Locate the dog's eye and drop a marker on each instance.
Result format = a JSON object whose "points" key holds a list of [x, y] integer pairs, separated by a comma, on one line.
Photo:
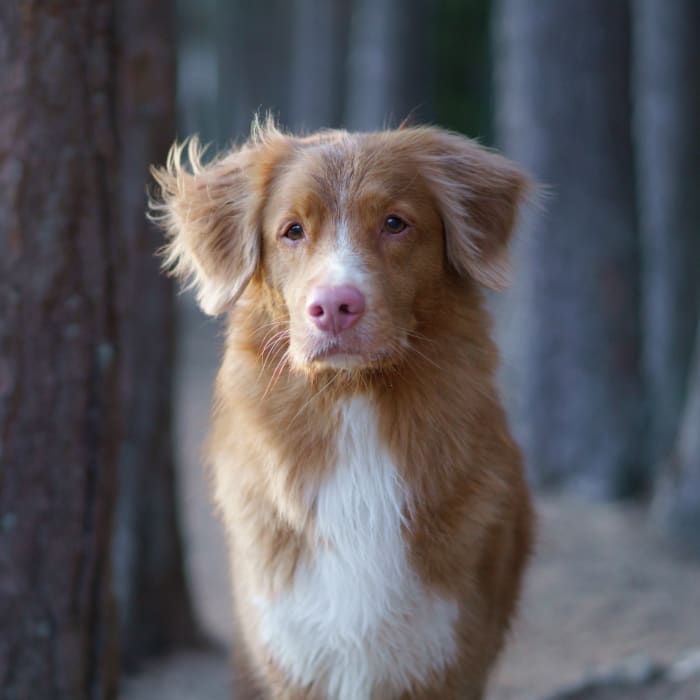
{"points": [[294, 232], [393, 224]]}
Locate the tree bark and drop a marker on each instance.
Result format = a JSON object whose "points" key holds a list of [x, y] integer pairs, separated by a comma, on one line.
{"points": [[59, 399], [390, 68], [149, 581], [667, 126], [563, 111]]}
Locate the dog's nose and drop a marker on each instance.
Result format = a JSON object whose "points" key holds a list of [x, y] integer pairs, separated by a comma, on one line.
{"points": [[334, 309]]}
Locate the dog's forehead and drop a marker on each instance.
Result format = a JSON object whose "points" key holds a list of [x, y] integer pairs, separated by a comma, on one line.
{"points": [[352, 170]]}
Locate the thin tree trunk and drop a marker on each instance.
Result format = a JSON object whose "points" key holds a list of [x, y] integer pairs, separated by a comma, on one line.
{"points": [[233, 108], [253, 58], [197, 70], [676, 506], [563, 111], [461, 55], [59, 400], [390, 69], [155, 610], [321, 32], [668, 140]]}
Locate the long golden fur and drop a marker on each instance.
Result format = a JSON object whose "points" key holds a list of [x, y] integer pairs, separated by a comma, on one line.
{"points": [[421, 359]]}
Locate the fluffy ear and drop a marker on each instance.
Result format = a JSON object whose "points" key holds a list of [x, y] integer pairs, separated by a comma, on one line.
{"points": [[478, 192], [211, 216]]}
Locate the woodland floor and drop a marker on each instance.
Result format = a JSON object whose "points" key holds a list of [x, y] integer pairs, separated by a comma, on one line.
{"points": [[602, 588]]}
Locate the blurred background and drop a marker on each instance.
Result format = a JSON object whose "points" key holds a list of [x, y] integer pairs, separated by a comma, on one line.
{"points": [[113, 571]]}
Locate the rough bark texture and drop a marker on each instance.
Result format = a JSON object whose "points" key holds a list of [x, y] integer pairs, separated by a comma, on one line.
{"points": [[667, 111], [155, 612], [58, 393], [563, 111], [390, 71], [320, 42], [676, 506]]}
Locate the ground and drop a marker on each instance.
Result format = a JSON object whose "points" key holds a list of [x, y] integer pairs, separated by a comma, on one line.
{"points": [[603, 591]]}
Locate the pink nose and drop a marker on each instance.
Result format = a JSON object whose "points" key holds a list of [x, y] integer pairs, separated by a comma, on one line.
{"points": [[334, 309]]}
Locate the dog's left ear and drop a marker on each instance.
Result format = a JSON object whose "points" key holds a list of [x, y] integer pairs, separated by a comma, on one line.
{"points": [[478, 193]]}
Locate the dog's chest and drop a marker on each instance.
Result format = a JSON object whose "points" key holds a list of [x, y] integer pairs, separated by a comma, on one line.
{"points": [[357, 621]]}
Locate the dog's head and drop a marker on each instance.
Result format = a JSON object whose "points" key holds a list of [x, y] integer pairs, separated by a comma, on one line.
{"points": [[351, 239]]}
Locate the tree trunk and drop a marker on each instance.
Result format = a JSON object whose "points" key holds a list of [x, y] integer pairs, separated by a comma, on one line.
{"points": [[563, 111], [461, 54], [668, 127], [320, 43], [390, 68], [197, 71], [253, 58], [155, 611], [59, 400], [676, 506]]}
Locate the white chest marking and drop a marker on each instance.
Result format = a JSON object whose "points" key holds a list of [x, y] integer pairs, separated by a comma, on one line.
{"points": [[358, 621]]}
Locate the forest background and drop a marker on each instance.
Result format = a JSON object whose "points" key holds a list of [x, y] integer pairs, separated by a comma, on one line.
{"points": [[600, 332]]}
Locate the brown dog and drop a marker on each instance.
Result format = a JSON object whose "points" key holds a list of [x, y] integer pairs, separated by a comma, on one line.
{"points": [[374, 501]]}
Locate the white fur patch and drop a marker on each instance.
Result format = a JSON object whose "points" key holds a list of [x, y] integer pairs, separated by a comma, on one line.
{"points": [[358, 619], [343, 265]]}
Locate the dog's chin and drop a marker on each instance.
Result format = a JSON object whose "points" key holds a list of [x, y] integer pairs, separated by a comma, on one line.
{"points": [[348, 362], [342, 357]]}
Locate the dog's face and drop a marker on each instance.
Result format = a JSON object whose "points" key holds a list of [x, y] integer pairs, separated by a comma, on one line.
{"points": [[353, 243], [352, 236]]}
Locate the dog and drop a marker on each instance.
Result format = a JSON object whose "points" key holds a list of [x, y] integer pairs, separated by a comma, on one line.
{"points": [[374, 502]]}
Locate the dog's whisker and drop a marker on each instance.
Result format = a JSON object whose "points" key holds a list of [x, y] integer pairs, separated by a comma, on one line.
{"points": [[264, 365], [415, 334], [414, 349], [275, 341], [271, 347], [271, 340], [313, 398], [419, 336], [276, 374], [270, 335], [272, 324]]}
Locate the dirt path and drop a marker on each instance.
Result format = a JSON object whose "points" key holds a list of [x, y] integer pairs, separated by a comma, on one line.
{"points": [[601, 589]]}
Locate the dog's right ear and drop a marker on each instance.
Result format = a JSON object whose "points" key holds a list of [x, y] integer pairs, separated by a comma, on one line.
{"points": [[211, 215]]}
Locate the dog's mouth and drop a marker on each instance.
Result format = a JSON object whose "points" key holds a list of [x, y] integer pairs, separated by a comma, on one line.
{"points": [[375, 343], [349, 354], [335, 352]]}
